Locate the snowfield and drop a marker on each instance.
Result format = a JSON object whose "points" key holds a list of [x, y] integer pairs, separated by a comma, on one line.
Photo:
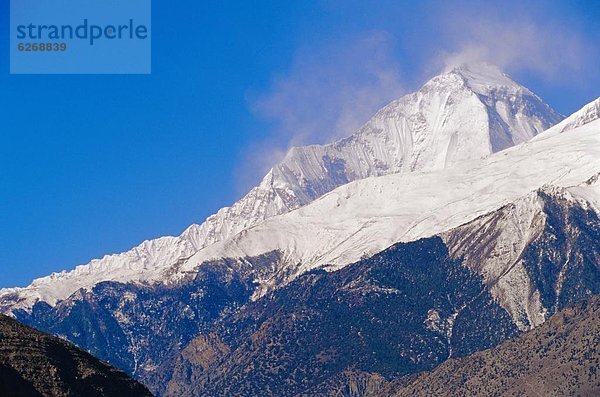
{"points": [[367, 216]]}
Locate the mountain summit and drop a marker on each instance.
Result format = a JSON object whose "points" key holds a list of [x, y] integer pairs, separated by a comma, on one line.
{"points": [[484, 78], [466, 113]]}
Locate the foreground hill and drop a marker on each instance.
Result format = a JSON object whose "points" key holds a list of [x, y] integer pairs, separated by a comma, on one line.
{"points": [[560, 358], [36, 364]]}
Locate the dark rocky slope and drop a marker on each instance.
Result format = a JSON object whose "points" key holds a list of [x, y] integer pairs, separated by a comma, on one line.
{"points": [[402, 311], [139, 329], [36, 364]]}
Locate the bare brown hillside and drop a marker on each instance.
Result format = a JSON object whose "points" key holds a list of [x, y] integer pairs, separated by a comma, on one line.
{"points": [[560, 358]]}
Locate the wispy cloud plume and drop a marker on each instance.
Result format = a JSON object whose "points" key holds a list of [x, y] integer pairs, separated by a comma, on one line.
{"points": [[327, 93], [330, 91], [516, 39]]}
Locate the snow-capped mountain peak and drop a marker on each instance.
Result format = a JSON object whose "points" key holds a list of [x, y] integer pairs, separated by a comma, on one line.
{"points": [[366, 216], [484, 78], [464, 114]]}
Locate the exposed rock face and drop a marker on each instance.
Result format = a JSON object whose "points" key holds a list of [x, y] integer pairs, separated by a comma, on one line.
{"points": [[559, 358], [350, 383], [536, 255], [36, 364]]}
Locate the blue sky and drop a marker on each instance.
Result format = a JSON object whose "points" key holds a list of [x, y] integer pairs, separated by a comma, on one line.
{"points": [[91, 165]]}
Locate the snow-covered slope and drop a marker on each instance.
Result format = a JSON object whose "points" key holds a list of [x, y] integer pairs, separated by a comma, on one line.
{"points": [[587, 114], [464, 114], [366, 216]]}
